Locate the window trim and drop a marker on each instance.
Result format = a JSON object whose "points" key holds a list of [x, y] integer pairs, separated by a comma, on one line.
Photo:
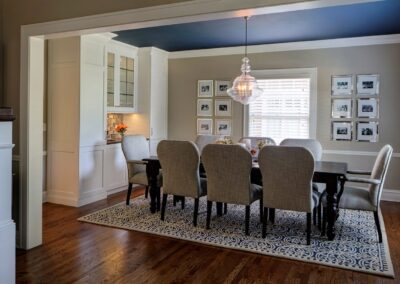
{"points": [[289, 73]]}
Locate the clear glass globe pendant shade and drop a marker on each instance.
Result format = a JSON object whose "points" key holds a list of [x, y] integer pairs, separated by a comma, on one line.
{"points": [[245, 88]]}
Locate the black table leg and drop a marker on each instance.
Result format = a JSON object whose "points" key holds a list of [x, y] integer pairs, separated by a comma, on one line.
{"points": [[152, 171], [219, 208], [332, 206]]}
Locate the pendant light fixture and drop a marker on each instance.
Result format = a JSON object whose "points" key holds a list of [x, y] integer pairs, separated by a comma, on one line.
{"points": [[245, 88]]}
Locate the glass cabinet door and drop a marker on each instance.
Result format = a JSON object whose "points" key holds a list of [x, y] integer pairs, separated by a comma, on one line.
{"points": [[126, 82], [110, 79]]}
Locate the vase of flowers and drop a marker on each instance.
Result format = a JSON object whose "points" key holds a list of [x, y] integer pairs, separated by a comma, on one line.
{"points": [[121, 129]]}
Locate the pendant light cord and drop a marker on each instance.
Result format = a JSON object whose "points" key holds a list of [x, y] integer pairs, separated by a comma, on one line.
{"points": [[245, 47]]}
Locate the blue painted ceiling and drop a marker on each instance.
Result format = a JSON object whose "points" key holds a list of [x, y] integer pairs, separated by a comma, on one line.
{"points": [[367, 19]]}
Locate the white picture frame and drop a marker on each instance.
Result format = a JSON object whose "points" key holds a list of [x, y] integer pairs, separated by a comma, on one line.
{"points": [[342, 85], [342, 108], [204, 107], [223, 127], [221, 88], [368, 85], [367, 108], [342, 130], [204, 126], [205, 88], [367, 131], [223, 107]]}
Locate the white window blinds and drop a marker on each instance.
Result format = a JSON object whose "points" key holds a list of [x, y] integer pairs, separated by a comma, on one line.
{"points": [[283, 110]]}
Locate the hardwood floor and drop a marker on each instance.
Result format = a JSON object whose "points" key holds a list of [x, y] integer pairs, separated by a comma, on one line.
{"points": [[75, 252]]}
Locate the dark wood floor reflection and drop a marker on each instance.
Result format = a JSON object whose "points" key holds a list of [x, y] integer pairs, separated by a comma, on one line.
{"points": [[75, 252]]}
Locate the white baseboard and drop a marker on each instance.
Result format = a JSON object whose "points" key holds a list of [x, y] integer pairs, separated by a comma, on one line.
{"points": [[391, 195], [44, 196], [117, 189]]}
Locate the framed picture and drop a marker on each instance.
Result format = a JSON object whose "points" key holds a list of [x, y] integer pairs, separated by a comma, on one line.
{"points": [[342, 130], [223, 127], [204, 107], [205, 88], [367, 108], [367, 131], [367, 84], [221, 87], [341, 108], [204, 126], [223, 107], [342, 85]]}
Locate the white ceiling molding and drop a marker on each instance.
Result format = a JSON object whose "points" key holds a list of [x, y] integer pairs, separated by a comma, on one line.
{"points": [[290, 46]]}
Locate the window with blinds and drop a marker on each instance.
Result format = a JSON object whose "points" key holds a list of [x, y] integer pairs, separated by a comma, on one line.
{"points": [[282, 111]]}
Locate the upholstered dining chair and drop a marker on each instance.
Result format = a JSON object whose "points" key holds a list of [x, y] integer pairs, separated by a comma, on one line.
{"points": [[315, 147], [136, 148], [180, 161], [287, 181], [228, 170], [255, 140], [364, 198], [203, 140]]}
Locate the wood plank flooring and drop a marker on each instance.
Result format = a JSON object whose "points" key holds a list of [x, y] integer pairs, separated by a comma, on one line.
{"points": [[75, 252]]}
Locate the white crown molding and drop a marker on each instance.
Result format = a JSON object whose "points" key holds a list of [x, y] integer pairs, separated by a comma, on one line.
{"points": [[356, 153], [290, 46]]}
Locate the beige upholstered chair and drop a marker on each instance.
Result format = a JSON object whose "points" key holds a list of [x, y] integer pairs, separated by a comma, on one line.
{"points": [[203, 140], [287, 181], [228, 169], [315, 147], [136, 148], [255, 140], [180, 162], [368, 198]]}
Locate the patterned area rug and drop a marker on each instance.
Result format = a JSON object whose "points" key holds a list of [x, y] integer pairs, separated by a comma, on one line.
{"points": [[356, 245]]}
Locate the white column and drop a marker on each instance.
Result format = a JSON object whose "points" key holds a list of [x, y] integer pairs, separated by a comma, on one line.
{"points": [[7, 226]]}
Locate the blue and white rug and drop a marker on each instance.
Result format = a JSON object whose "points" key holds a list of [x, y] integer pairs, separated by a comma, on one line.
{"points": [[355, 247]]}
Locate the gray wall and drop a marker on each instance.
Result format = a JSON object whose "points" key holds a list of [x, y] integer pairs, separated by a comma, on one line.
{"points": [[379, 59]]}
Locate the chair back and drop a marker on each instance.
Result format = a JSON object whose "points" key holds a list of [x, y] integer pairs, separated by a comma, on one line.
{"points": [[180, 162], [203, 140], [228, 169], [312, 145], [379, 172], [135, 147], [255, 140], [287, 174]]}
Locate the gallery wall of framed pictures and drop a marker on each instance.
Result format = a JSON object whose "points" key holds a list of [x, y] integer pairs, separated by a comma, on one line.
{"points": [[355, 110], [214, 108]]}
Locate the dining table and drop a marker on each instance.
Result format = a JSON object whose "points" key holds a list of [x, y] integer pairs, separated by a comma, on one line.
{"points": [[326, 172]]}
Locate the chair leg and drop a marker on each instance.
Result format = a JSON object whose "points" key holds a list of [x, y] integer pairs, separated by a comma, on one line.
{"points": [[183, 202], [378, 225], [225, 208], [261, 210], [308, 228], [272, 215], [146, 193], [319, 208], [128, 195], [175, 200], [247, 220], [209, 208], [314, 216], [264, 223], [196, 211], [164, 204], [324, 214]]}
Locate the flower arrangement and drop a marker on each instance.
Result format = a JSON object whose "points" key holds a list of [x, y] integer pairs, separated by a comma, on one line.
{"points": [[121, 128], [261, 143], [225, 141]]}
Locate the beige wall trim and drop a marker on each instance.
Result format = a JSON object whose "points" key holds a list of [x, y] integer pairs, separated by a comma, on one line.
{"points": [[356, 153], [391, 195], [290, 46]]}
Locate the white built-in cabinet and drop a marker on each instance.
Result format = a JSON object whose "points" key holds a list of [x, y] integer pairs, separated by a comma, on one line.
{"points": [[121, 77], [153, 94], [78, 155]]}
